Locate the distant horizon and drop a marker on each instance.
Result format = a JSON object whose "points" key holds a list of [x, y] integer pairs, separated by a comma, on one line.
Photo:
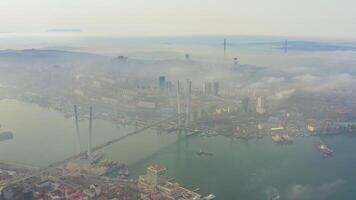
{"points": [[303, 18], [76, 32]]}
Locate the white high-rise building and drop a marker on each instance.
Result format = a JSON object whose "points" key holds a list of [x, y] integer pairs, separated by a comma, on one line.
{"points": [[261, 105], [154, 177]]}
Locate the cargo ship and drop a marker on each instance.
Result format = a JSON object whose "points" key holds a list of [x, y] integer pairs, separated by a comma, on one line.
{"points": [[7, 135], [170, 129], [325, 150], [195, 132], [282, 139], [203, 153]]}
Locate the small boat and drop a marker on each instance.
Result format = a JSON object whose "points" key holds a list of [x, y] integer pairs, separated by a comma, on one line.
{"points": [[203, 153], [210, 197], [325, 150]]}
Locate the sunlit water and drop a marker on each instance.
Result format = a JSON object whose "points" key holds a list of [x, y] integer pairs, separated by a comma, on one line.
{"points": [[238, 169]]}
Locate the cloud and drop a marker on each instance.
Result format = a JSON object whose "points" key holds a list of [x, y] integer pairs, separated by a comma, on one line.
{"points": [[268, 82], [63, 30], [331, 186], [279, 88], [271, 192], [298, 191], [306, 78], [322, 84], [303, 192], [283, 94]]}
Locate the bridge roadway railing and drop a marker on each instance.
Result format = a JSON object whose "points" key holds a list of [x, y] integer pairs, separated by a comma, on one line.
{"points": [[83, 153]]}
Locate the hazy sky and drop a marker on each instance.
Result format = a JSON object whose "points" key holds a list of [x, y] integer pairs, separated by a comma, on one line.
{"points": [[326, 18]]}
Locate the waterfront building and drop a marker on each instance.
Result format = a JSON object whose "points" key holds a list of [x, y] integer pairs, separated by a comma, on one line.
{"points": [[155, 176], [155, 184]]}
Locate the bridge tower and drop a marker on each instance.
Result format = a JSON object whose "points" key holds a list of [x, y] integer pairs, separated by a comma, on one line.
{"points": [[188, 106], [78, 135], [77, 127], [90, 134]]}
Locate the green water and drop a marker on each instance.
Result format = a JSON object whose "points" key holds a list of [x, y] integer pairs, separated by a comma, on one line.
{"points": [[237, 170]]}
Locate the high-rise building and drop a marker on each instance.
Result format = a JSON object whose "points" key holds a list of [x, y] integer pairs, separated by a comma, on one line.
{"points": [[211, 88], [155, 176], [245, 104], [216, 88], [208, 88], [187, 56], [169, 85], [162, 81], [261, 105], [154, 185]]}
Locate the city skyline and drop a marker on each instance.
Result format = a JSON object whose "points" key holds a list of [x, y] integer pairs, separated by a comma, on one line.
{"points": [[177, 99]]}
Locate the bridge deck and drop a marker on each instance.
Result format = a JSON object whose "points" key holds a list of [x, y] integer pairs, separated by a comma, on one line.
{"points": [[79, 155]]}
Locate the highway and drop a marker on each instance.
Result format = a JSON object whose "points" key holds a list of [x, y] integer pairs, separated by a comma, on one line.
{"points": [[77, 156]]}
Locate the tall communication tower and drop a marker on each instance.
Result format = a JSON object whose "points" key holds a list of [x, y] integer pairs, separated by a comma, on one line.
{"points": [[236, 61], [224, 45]]}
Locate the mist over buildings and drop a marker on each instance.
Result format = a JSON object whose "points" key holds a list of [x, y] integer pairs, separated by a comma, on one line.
{"points": [[278, 77]]}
